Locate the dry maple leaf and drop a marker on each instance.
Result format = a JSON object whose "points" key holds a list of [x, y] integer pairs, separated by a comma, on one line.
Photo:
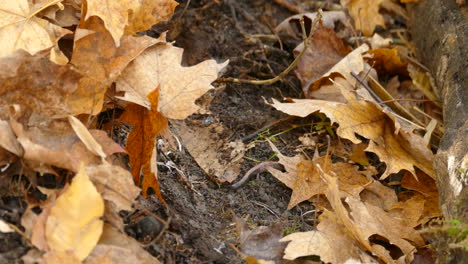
{"points": [[353, 62], [398, 146], [130, 15], [20, 28], [364, 221], [160, 66], [74, 223], [329, 241], [303, 177], [115, 185], [325, 50], [147, 124], [38, 85], [57, 145], [365, 14], [96, 56]]}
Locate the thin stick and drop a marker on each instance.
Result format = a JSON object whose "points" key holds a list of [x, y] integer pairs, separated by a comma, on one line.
{"points": [[291, 66], [290, 6], [409, 100]]}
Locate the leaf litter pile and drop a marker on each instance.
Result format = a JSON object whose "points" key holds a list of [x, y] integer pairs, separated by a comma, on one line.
{"points": [[91, 108]]}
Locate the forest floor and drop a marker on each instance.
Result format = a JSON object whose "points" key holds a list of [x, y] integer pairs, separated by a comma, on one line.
{"points": [[200, 211]]}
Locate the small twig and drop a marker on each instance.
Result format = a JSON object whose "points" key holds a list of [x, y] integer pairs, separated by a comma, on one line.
{"points": [[255, 170], [290, 6], [291, 66], [267, 208], [408, 100]]}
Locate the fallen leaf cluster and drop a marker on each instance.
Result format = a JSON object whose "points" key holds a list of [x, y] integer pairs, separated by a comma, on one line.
{"points": [[362, 219], [63, 63]]}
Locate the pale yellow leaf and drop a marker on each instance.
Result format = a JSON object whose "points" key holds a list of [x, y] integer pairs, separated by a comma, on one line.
{"points": [[21, 29], [83, 133], [143, 14], [74, 223], [160, 66], [5, 227], [8, 139]]}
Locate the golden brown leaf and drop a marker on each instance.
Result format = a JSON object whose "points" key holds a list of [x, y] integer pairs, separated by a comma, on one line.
{"points": [[133, 16], [388, 60], [74, 222], [101, 62], [147, 124], [329, 241], [388, 138], [83, 133], [426, 187], [324, 51], [365, 14], [57, 145], [353, 62], [37, 85], [149, 13]]}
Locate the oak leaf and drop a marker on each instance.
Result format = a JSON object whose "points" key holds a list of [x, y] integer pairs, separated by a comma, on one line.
{"points": [[147, 124], [74, 222]]}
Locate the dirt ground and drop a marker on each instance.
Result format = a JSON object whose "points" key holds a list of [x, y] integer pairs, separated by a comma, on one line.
{"points": [[199, 210]]}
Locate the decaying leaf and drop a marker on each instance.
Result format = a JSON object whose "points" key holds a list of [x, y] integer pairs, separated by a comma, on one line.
{"points": [[120, 248], [74, 223], [329, 241], [86, 137], [115, 184], [225, 168], [324, 51], [329, 18], [261, 244], [353, 62], [147, 124], [37, 85]]}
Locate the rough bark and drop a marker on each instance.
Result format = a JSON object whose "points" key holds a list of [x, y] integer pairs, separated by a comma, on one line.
{"points": [[440, 30]]}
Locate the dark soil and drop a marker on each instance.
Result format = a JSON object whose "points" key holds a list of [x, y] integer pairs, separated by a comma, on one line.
{"points": [[202, 223], [200, 211]]}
